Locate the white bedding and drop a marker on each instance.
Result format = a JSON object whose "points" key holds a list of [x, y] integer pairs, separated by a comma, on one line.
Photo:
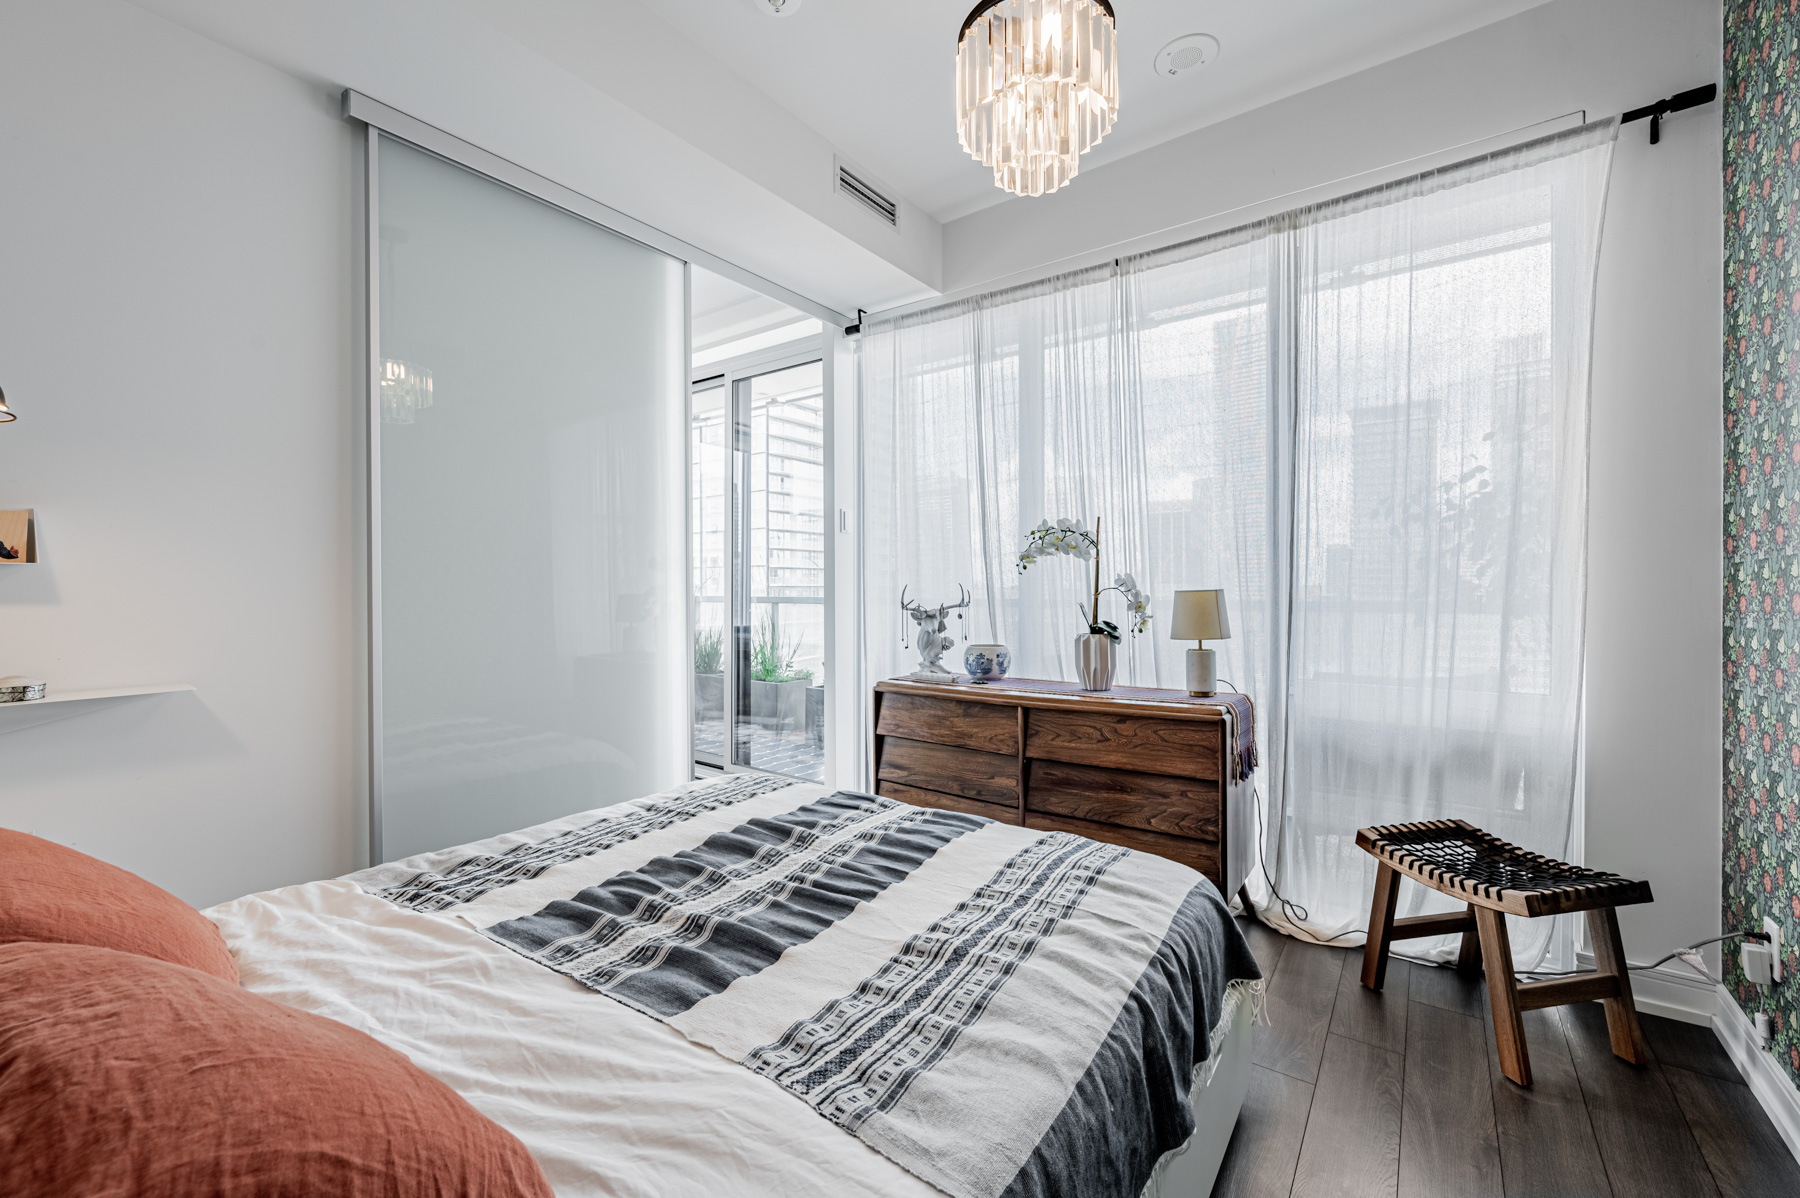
{"points": [[610, 1102]]}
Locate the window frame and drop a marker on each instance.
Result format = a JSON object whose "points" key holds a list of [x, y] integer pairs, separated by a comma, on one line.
{"points": [[728, 373]]}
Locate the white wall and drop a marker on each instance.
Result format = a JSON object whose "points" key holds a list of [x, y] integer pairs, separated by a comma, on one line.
{"points": [[176, 299], [1656, 564], [540, 83], [1654, 659]]}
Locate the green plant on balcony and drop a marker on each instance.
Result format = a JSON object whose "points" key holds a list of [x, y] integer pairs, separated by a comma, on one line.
{"points": [[709, 651], [772, 657]]}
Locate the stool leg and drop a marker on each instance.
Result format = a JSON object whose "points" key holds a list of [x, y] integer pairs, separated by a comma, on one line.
{"points": [[1503, 996], [1469, 959], [1621, 1012], [1381, 926]]}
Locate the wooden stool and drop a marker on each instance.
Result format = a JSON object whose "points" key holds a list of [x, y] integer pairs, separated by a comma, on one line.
{"points": [[1498, 879]]}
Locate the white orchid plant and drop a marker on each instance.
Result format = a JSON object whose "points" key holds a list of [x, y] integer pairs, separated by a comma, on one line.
{"points": [[1072, 539]]}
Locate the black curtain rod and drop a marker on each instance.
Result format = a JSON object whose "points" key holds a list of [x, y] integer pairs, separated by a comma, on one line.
{"points": [[1679, 102], [1692, 98]]}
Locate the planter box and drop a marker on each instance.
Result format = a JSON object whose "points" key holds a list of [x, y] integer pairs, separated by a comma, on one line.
{"points": [[779, 706], [709, 697], [815, 716]]}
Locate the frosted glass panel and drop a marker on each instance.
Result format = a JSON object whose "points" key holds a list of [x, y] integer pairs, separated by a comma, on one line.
{"points": [[533, 654]]}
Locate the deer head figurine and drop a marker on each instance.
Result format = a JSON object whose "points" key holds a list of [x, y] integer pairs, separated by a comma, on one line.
{"points": [[933, 623]]}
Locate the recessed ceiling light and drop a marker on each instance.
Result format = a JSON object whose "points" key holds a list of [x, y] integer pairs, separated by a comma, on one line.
{"points": [[1186, 52]]}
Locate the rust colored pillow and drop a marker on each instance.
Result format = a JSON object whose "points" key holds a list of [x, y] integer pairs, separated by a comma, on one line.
{"points": [[55, 895], [125, 1076]]}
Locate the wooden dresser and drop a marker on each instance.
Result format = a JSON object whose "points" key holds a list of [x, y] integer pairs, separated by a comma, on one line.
{"points": [[1148, 769]]}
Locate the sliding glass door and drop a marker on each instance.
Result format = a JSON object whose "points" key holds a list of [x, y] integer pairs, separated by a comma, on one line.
{"points": [[758, 548], [526, 453], [709, 562]]}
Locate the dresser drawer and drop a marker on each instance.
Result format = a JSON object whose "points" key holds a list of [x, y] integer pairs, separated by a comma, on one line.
{"points": [[949, 770], [930, 798], [982, 726], [1145, 744], [1152, 802], [1195, 854], [1146, 769]]}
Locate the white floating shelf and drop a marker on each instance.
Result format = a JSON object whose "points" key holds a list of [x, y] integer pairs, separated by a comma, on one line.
{"points": [[59, 705], [116, 692]]}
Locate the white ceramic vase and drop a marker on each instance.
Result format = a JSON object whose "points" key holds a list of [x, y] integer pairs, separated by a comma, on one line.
{"points": [[1094, 655]]}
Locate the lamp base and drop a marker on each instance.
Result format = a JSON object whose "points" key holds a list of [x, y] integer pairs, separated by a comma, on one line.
{"points": [[1202, 673]]}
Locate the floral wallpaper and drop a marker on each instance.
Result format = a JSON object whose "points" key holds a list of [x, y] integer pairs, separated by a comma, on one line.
{"points": [[1762, 492]]}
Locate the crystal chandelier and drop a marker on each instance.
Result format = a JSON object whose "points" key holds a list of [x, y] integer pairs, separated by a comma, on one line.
{"points": [[1037, 85], [405, 389]]}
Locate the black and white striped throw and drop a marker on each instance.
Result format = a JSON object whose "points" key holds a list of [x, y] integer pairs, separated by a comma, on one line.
{"points": [[1001, 1011]]}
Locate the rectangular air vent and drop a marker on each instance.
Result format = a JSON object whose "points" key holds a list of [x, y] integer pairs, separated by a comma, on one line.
{"points": [[863, 192]]}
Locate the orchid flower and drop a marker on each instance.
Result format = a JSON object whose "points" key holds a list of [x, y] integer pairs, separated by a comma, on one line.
{"points": [[1071, 538]]}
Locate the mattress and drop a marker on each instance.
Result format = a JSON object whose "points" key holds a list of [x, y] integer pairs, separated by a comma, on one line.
{"points": [[610, 1101]]}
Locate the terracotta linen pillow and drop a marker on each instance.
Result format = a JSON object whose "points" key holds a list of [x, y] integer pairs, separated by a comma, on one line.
{"points": [[53, 894], [122, 1076]]}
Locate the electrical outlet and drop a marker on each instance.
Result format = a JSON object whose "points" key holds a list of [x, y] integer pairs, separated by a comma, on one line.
{"points": [[1773, 931]]}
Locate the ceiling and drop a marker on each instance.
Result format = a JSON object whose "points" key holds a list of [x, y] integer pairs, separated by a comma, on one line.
{"points": [[875, 79], [730, 319]]}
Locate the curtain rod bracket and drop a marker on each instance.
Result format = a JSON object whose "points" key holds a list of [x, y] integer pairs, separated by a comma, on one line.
{"points": [[1679, 102]]}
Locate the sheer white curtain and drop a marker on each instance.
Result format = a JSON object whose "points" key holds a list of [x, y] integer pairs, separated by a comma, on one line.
{"points": [[1441, 330], [1366, 420], [983, 418]]}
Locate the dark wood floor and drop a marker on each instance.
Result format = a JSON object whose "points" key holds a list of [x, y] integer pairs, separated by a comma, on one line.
{"points": [[1400, 1094]]}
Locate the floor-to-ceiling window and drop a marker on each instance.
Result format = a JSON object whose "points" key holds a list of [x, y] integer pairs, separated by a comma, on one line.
{"points": [[1365, 421]]}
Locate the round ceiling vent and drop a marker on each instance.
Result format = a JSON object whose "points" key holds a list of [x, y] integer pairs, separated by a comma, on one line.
{"points": [[1186, 52]]}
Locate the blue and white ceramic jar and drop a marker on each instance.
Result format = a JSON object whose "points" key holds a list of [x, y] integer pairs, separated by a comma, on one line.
{"points": [[986, 663]]}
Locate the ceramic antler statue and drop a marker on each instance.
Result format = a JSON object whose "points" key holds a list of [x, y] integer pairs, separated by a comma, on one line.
{"points": [[933, 623]]}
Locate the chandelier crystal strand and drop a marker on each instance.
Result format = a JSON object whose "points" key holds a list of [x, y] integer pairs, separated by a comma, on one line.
{"points": [[405, 390], [1037, 86]]}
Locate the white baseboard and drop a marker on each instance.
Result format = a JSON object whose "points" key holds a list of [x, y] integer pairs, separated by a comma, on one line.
{"points": [[1673, 991], [1680, 993], [1765, 1076]]}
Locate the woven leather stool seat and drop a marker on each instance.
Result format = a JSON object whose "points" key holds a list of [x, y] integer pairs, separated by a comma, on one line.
{"points": [[1458, 858], [1496, 879]]}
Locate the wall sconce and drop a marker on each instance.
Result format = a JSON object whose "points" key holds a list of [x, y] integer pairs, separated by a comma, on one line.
{"points": [[6, 414]]}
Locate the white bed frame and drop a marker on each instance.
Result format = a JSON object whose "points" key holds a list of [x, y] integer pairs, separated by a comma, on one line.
{"points": [[1191, 1171]]}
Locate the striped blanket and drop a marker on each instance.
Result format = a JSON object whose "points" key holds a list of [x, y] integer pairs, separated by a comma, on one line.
{"points": [[998, 1010]]}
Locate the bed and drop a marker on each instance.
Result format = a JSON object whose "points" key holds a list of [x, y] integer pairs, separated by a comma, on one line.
{"points": [[750, 986]]}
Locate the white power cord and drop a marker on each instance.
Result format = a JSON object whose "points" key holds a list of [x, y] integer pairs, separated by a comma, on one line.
{"points": [[1693, 960]]}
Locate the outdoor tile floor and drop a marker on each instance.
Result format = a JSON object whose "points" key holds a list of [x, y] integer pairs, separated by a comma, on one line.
{"points": [[779, 753]]}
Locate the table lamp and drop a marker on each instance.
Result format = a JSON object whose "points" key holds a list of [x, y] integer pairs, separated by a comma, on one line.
{"points": [[1200, 616]]}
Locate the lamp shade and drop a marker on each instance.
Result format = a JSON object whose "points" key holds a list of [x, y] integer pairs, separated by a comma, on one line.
{"points": [[1200, 616]]}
